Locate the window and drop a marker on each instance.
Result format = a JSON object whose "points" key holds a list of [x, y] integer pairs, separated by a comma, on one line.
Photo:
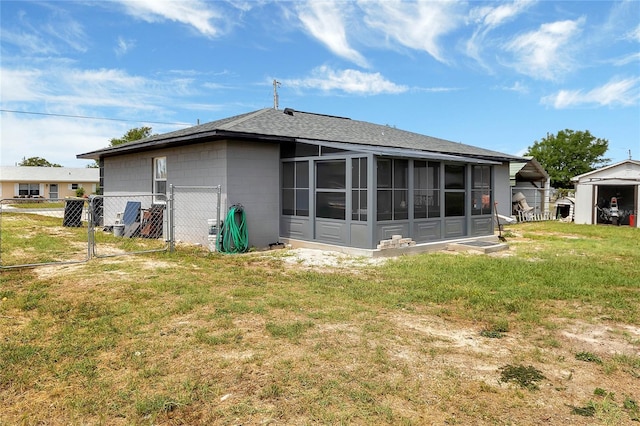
{"points": [[359, 189], [326, 150], [454, 185], [426, 194], [160, 175], [331, 189], [295, 188], [74, 186], [29, 189], [294, 150], [481, 190], [392, 192]]}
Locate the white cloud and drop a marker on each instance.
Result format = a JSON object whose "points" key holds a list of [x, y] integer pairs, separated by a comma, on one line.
{"points": [[69, 90], [414, 25], [627, 59], [123, 46], [194, 13], [488, 18], [29, 43], [325, 21], [547, 52], [349, 81], [21, 85], [634, 34], [435, 89], [41, 35], [517, 87], [69, 31], [491, 17], [56, 139], [46, 96], [617, 92]]}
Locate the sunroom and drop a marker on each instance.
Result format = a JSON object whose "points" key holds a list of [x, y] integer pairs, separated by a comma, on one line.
{"points": [[356, 196]]}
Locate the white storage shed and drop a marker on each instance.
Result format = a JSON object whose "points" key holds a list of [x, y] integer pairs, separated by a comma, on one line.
{"points": [[601, 191]]}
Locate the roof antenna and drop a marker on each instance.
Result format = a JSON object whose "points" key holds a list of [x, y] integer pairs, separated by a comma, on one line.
{"points": [[276, 84]]}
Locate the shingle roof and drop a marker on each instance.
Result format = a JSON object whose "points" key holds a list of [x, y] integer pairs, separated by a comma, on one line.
{"points": [[48, 174], [272, 124]]}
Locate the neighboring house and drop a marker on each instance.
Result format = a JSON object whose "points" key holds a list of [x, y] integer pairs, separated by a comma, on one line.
{"points": [[530, 179], [596, 189], [313, 178], [46, 182]]}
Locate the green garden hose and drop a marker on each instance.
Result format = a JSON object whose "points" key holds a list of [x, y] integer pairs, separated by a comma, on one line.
{"points": [[235, 238]]}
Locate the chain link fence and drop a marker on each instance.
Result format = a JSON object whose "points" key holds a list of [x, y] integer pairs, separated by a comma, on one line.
{"points": [[128, 224], [36, 232], [195, 215]]}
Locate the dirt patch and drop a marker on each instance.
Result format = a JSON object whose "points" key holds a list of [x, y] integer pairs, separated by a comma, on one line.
{"points": [[318, 259], [458, 349], [603, 338]]}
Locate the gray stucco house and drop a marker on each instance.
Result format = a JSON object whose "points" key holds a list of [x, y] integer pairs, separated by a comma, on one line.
{"points": [[313, 178]]}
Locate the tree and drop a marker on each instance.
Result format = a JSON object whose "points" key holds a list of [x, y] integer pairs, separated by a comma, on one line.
{"points": [[134, 134], [569, 154], [37, 161]]}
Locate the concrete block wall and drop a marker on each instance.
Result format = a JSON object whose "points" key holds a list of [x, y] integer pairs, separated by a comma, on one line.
{"points": [[193, 165], [130, 174], [253, 180], [249, 173]]}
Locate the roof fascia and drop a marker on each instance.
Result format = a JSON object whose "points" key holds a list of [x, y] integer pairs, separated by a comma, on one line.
{"points": [[178, 141], [399, 152], [604, 168]]}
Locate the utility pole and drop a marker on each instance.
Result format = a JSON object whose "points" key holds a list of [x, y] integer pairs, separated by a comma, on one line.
{"points": [[276, 84]]}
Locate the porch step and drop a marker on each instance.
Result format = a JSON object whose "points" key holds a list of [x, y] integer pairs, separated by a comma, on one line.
{"points": [[481, 246]]}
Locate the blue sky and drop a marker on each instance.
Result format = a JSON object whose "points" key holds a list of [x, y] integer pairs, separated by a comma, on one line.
{"points": [[498, 75]]}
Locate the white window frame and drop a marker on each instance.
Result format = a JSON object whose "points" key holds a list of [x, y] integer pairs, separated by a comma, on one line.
{"points": [[159, 175], [30, 187]]}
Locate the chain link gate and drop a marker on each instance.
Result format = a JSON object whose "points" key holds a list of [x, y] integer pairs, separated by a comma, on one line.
{"points": [[35, 232], [195, 215], [40, 231]]}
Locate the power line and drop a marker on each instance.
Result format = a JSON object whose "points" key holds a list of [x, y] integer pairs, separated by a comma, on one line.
{"points": [[92, 118]]}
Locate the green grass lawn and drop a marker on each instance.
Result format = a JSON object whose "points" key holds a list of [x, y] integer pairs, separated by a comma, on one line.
{"points": [[25, 203], [31, 239], [436, 338]]}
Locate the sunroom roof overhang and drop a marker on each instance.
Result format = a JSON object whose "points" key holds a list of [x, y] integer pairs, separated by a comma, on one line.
{"points": [[400, 152]]}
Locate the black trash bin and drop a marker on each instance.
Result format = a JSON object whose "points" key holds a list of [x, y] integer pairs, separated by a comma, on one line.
{"points": [[73, 213], [97, 213]]}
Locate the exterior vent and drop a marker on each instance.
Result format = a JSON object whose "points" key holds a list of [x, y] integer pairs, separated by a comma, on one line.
{"points": [[288, 111]]}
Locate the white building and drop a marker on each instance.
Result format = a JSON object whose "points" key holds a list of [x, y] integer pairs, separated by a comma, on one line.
{"points": [[596, 189], [46, 182]]}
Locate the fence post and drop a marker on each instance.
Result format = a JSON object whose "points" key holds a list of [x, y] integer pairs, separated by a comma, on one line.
{"points": [[219, 225], [171, 217], [90, 227], [1, 208]]}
